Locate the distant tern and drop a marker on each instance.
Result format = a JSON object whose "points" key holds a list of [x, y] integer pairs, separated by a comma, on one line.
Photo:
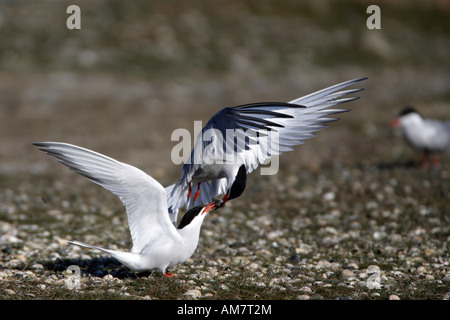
{"points": [[157, 243], [429, 136], [207, 174]]}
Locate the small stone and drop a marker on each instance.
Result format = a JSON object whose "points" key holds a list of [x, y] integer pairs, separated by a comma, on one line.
{"points": [[193, 293], [14, 263], [41, 286], [421, 270], [353, 266], [303, 297], [252, 266], [323, 264], [329, 196], [37, 266], [8, 238], [306, 289], [108, 277], [224, 287], [10, 292], [429, 277], [378, 235], [303, 249], [347, 273], [394, 297]]}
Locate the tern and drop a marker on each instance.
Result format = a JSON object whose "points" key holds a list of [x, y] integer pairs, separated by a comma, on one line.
{"points": [[429, 136], [209, 172], [157, 243]]}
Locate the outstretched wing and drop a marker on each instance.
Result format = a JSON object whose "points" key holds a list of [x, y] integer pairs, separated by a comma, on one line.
{"points": [[143, 197], [262, 130]]}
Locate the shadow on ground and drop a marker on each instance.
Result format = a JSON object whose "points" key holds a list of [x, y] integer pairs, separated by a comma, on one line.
{"points": [[96, 267]]}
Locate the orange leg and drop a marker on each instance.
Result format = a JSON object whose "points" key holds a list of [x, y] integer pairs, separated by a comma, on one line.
{"points": [[168, 274], [190, 191], [435, 160], [425, 161], [225, 198], [197, 192]]}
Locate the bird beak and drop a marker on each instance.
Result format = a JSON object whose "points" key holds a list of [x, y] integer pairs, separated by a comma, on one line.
{"points": [[394, 123], [210, 205]]}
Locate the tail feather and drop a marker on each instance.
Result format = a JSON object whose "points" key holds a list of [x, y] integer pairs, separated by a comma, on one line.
{"points": [[83, 244], [126, 258]]}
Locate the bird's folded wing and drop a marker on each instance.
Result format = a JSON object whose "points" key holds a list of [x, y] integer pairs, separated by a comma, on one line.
{"points": [[143, 197]]}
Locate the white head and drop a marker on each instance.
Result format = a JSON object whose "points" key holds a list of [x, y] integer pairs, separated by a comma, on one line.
{"points": [[407, 117]]}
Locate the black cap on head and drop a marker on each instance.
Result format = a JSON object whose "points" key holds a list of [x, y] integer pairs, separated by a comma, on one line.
{"points": [[408, 110], [189, 216], [239, 183], [193, 212]]}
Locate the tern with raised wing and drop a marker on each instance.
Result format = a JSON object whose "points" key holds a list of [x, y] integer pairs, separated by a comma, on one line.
{"points": [[219, 165], [429, 136], [157, 243]]}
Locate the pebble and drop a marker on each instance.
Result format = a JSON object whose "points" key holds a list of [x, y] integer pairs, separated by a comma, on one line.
{"points": [[252, 266], [394, 297], [353, 266], [37, 266], [41, 286], [329, 196], [421, 270], [9, 239], [193, 293], [347, 273], [224, 287], [261, 285], [306, 289], [10, 292]]}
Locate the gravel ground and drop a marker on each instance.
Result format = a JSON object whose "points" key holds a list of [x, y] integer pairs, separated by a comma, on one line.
{"points": [[349, 215]]}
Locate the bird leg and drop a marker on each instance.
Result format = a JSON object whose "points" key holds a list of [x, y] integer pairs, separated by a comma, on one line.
{"points": [[224, 199], [435, 160], [425, 160], [168, 274], [190, 191], [197, 192]]}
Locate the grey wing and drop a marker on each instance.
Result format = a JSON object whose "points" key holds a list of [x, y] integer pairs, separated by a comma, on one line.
{"points": [[262, 130], [438, 135], [292, 123]]}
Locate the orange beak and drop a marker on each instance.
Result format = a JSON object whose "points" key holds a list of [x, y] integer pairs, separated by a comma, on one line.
{"points": [[394, 123], [209, 206]]}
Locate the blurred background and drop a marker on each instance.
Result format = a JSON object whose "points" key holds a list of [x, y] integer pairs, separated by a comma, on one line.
{"points": [[137, 70]]}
